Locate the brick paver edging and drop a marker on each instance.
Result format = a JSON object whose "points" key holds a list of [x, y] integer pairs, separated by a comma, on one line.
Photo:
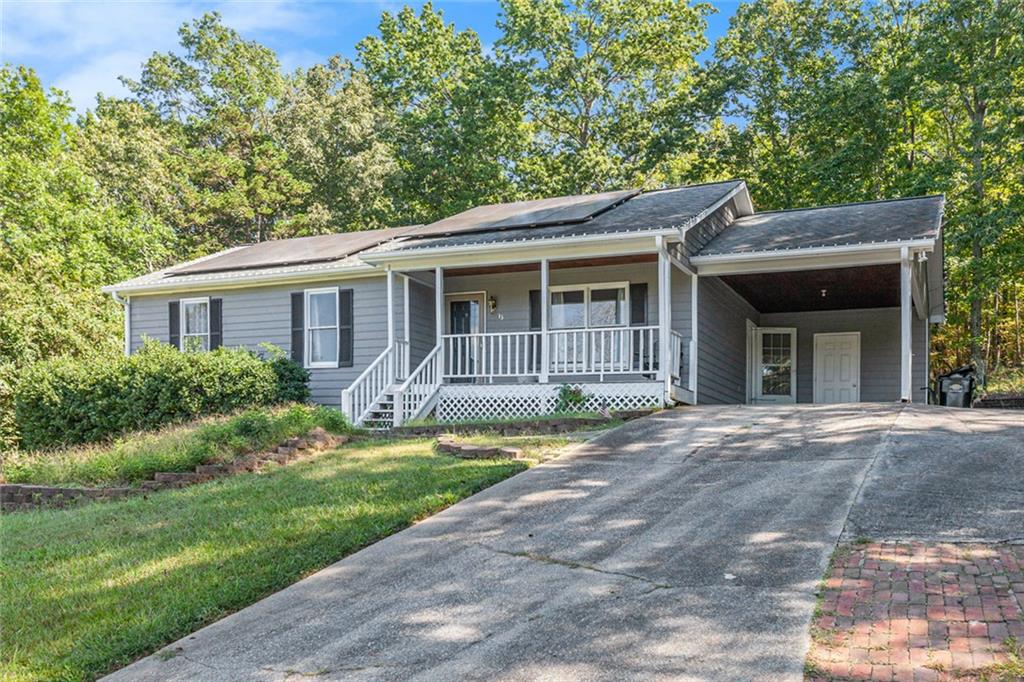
{"points": [[920, 611], [22, 497]]}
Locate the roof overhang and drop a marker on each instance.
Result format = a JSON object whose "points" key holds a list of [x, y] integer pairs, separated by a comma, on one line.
{"points": [[812, 258], [243, 279], [582, 246]]}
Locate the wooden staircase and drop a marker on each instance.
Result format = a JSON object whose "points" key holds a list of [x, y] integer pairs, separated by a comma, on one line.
{"points": [[381, 416]]}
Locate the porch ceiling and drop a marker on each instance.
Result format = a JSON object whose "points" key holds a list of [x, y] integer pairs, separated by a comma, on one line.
{"points": [[872, 286]]}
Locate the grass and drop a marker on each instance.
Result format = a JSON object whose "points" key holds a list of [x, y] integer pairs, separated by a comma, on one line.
{"points": [[1005, 380], [137, 457], [87, 590]]}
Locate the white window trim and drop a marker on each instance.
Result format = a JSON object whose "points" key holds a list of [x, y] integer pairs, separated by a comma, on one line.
{"points": [[307, 338], [182, 316], [758, 398], [586, 288]]}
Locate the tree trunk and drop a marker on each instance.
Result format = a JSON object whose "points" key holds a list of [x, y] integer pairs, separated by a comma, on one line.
{"points": [[978, 186]]}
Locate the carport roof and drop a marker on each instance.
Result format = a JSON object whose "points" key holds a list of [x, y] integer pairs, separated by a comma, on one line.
{"points": [[871, 222]]}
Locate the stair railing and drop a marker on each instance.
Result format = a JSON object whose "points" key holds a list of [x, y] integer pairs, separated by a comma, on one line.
{"points": [[416, 391], [363, 393]]}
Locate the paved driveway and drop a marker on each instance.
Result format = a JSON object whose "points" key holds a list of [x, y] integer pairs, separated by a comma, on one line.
{"points": [[686, 546]]}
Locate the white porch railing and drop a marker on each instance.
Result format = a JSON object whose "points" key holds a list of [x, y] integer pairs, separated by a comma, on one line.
{"points": [[600, 351], [676, 349], [497, 354], [416, 391], [363, 393]]}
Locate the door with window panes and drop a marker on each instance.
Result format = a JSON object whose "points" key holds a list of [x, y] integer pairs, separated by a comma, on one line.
{"points": [[775, 373]]}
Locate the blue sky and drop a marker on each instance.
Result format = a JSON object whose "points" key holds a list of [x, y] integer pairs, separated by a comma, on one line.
{"points": [[83, 46]]}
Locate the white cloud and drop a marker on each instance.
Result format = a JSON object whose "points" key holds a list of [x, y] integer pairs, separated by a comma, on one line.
{"points": [[82, 47]]}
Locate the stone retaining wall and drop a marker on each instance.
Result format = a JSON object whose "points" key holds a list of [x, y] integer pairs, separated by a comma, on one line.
{"points": [[21, 497]]}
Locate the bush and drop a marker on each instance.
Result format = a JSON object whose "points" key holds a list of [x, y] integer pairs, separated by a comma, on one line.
{"points": [[138, 456], [65, 402], [292, 378], [8, 426]]}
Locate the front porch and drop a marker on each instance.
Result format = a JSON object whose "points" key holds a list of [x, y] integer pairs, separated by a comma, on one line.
{"points": [[502, 341]]}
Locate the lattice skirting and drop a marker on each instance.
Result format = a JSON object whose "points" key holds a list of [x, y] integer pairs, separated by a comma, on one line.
{"points": [[467, 402]]}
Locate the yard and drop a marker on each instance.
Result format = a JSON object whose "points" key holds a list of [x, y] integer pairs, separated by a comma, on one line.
{"points": [[89, 589]]}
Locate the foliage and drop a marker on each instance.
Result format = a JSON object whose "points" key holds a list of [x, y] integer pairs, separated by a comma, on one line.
{"points": [[93, 588], [292, 377], [570, 399], [611, 87], [8, 425], [66, 401], [458, 114], [60, 238], [138, 456]]}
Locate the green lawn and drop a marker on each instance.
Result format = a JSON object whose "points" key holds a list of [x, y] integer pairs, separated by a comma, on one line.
{"points": [[87, 590]]}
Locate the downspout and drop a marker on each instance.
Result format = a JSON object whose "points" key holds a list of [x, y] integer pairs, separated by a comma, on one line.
{"points": [[125, 303]]}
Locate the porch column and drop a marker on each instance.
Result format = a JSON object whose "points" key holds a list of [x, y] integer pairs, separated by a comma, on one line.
{"points": [[906, 311], [439, 302], [664, 315], [545, 351], [391, 324], [406, 327]]}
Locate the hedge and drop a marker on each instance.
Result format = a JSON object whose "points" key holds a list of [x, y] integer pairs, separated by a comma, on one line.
{"points": [[65, 402]]}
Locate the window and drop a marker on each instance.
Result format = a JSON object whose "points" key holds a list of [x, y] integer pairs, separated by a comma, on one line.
{"points": [[195, 324], [589, 305], [322, 328]]}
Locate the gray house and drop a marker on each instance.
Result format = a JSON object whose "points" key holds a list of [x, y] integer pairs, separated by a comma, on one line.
{"points": [[682, 295]]}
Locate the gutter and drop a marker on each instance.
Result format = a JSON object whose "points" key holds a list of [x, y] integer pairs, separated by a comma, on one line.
{"points": [[125, 303], [811, 251]]}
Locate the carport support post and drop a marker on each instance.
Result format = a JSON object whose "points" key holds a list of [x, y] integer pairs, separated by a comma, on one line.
{"points": [[664, 323], [906, 310], [545, 351]]}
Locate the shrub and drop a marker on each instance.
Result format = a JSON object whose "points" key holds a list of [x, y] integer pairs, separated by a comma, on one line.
{"points": [[8, 426], [66, 402], [138, 456], [292, 378], [570, 399]]}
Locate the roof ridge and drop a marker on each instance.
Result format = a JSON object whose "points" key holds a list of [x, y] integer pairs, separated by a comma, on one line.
{"points": [[848, 203], [699, 184]]}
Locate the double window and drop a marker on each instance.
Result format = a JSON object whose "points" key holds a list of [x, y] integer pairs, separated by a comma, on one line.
{"points": [[583, 306], [195, 324], [322, 327]]}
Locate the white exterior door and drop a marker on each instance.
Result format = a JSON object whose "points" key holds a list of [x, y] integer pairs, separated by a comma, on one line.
{"points": [[774, 355], [837, 368]]}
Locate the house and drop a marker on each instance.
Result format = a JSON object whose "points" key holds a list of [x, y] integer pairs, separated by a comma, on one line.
{"points": [[683, 295]]}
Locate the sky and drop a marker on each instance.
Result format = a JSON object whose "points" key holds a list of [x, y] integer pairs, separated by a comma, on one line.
{"points": [[82, 46]]}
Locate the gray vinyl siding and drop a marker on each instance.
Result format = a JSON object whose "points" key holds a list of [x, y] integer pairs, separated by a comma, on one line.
{"points": [[879, 349], [422, 323], [722, 342], [263, 315]]}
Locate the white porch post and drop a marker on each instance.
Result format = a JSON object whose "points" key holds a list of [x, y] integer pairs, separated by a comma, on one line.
{"points": [[905, 325], [664, 314], [439, 302], [407, 334], [545, 350], [391, 324], [693, 336]]}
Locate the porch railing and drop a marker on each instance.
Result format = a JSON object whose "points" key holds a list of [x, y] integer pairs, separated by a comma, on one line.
{"points": [[676, 349], [598, 351]]}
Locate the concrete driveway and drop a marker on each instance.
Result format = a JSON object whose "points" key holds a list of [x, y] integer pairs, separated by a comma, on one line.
{"points": [[687, 545]]}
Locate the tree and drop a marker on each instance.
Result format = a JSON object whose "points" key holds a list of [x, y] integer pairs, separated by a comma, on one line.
{"points": [[219, 98], [971, 62], [611, 87], [458, 115], [337, 138], [61, 237]]}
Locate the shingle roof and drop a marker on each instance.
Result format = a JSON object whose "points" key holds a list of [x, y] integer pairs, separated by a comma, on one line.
{"points": [[649, 211], [280, 252], [873, 222]]}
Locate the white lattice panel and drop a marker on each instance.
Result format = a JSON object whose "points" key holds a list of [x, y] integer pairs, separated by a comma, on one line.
{"points": [[470, 402]]}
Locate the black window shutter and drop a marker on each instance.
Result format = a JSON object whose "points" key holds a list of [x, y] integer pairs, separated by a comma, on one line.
{"points": [[638, 304], [298, 326], [535, 322], [216, 326], [173, 325], [345, 340]]}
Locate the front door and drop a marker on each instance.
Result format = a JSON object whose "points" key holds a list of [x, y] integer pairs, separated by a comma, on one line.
{"points": [[775, 368], [465, 319], [837, 368]]}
